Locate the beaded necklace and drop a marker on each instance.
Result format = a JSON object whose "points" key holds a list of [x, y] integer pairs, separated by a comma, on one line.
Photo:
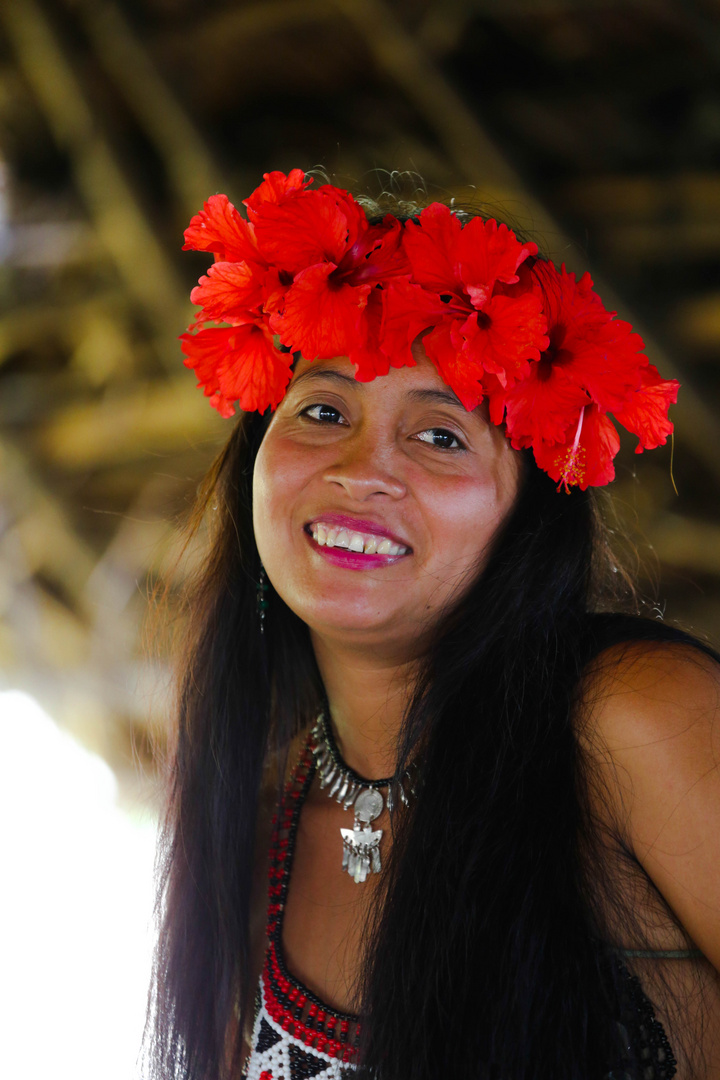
{"points": [[295, 1035], [361, 844]]}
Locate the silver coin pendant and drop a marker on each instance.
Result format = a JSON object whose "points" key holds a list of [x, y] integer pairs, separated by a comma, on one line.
{"points": [[369, 805]]}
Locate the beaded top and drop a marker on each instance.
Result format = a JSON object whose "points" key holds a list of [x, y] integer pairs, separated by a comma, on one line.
{"points": [[295, 1034]]}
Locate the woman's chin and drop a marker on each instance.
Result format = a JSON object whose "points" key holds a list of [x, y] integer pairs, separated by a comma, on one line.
{"points": [[364, 630]]}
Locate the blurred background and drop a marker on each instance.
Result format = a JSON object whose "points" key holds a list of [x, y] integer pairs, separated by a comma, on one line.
{"points": [[594, 125]]}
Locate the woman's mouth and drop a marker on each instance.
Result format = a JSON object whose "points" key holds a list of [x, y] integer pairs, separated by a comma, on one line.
{"points": [[328, 535]]}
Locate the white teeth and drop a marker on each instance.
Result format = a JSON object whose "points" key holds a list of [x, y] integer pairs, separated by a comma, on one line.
{"points": [[327, 536]]}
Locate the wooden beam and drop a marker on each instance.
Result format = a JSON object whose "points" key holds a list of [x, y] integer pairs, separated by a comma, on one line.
{"points": [[698, 320], [476, 156], [653, 241], [478, 159], [645, 197], [238, 23], [128, 425], [687, 543], [192, 172], [48, 539], [121, 223], [24, 326]]}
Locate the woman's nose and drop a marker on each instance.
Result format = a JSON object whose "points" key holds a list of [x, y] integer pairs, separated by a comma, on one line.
{"points": [[365, 469]]}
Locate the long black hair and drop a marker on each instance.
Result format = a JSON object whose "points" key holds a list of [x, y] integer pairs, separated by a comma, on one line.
{"points": [[482, 956]]}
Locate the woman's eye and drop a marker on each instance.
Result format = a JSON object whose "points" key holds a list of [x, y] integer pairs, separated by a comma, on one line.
{"points": [[323, 414], [440, 437]]}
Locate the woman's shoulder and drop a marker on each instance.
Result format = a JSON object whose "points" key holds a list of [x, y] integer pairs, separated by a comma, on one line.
{"points": [[668, 687], [642, 677], [650, 726]]}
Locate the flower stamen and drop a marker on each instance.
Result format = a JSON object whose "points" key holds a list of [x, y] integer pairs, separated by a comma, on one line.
{"points": [[572, 464]]}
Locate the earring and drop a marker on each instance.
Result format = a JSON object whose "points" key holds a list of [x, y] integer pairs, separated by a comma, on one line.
{"points": [[262, 603]]}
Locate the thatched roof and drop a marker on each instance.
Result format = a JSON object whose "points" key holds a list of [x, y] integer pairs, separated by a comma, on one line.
{"points": [[595, 125]]}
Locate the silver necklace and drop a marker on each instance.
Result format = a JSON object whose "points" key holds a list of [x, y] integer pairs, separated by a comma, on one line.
{"points": [[361, 844]]}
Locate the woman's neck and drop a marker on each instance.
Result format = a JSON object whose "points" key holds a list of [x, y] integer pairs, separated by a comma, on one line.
{"points": [[367, 697]]}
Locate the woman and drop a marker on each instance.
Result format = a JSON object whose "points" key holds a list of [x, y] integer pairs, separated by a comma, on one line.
{"points": [[448, 809]]}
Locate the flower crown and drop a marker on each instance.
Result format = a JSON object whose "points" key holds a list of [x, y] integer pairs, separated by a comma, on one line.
{"points": [[308, 272]]}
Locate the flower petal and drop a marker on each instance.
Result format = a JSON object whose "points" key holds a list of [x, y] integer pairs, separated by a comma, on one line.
{"points": [[202, 351], [377, 254], [371, 356], [590, 464], [274, 291], [219, 228], [238, 364], [231, 291], [409, 311], [322, 317], [368, 356], [430, 242], [488, 253], [646, 412], [444, 347], [310, 228], [504, 337], [542, 409], [275, 188], [600, 353]]}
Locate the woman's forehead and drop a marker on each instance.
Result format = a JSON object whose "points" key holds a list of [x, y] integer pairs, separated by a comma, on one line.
{"points": [[419, 383]]}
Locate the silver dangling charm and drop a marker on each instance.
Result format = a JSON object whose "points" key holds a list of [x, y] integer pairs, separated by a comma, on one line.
{"points": [[361, 844]]}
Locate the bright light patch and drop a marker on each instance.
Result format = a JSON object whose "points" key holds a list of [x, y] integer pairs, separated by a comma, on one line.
{"points": [[75, 907]]}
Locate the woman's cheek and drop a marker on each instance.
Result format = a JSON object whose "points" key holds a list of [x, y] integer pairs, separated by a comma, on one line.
{"points": [[279, 480]]}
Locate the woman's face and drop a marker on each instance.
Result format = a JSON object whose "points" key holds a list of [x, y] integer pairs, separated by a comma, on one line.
{"points": [[374, 503]]}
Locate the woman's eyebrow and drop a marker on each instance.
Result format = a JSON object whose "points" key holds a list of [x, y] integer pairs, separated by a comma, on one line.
{"points": [[439, 397], [324, 373]]}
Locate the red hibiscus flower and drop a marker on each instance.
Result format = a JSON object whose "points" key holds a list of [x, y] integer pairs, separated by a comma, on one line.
{"points": [[595, 364], [242, 289], [589, 349], [336, 258], [232, 292], [220, 228], [465, 287], [275, 188], [307, 266], [238, 364], [586, 457], [645, 412]]}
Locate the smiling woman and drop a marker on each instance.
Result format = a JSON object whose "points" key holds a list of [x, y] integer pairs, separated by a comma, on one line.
{"points": [[396, 462], [441, 803]]}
